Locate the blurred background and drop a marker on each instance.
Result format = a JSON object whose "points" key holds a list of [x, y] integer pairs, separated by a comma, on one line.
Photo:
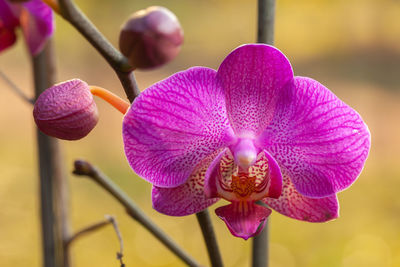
{"points": [[351, 46]]}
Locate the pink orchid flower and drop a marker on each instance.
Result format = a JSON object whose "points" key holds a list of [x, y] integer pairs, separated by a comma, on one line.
{"points": [[248, 132], [35, 19]]}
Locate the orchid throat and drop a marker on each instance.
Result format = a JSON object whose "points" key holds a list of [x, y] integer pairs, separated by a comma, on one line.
{"points": [[242, 175]]}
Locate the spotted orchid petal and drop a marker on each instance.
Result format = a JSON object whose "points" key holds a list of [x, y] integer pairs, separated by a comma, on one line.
{"points": [[293, 204], [36, 21], [252, 77], [174, 124], [243, 221], [187, 198], [321, 141]]}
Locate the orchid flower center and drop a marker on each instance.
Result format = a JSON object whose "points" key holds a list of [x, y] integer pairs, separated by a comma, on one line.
{"points": [[243, 174], [243, 185]]}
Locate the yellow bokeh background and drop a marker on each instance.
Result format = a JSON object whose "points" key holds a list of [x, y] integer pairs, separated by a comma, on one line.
{"points": [[351, 46]]}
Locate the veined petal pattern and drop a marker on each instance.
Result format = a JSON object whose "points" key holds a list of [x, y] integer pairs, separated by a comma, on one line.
{"points": [[174, 124]]}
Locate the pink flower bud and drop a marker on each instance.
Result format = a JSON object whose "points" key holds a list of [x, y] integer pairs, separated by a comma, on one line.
{"points": [[151, 37], [66, 110]]}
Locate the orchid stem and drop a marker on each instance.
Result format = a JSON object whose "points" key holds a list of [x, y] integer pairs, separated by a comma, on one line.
{"points": [[260, 246], [266, 21], [53, 184], [265, 34], [203, 217], [85, 168], [15, 88], [70, 12], [111, 98]]}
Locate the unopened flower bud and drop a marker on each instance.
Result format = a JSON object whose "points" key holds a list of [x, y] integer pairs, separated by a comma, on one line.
{"points": [[66, 110], [151, 37]]}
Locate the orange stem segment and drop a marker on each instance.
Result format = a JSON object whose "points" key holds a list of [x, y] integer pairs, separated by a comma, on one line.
{"points": [[53, 4], [111, 98]]}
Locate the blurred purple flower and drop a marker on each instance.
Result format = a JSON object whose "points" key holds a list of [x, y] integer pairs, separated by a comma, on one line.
{"points": [[249, 131], [35, 19]]}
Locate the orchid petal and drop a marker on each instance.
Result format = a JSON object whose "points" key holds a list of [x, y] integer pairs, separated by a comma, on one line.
{"points": [[187, 198], [213, 174], [321, 141], [9, 14], [252, 77], [8, 23], [36, 20], [275, 176], [7, 37], [292, 204], [243, 222], [174, 124]]}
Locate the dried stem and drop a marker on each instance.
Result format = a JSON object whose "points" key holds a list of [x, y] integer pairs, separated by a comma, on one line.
{"points": [[85, 168], [15, 88], [53, 185], [207, 229], [94, 227], [70, 12]]}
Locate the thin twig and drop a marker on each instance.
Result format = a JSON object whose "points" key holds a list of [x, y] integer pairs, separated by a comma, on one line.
{"points": [[15, 88], [87, 230], [94, 227], [115, 59], [120, 254], [203, 217], [86, 169]]}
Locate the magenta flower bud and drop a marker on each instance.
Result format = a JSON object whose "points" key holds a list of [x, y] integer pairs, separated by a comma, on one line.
{"points": [[151, 37], [66, 110]]}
